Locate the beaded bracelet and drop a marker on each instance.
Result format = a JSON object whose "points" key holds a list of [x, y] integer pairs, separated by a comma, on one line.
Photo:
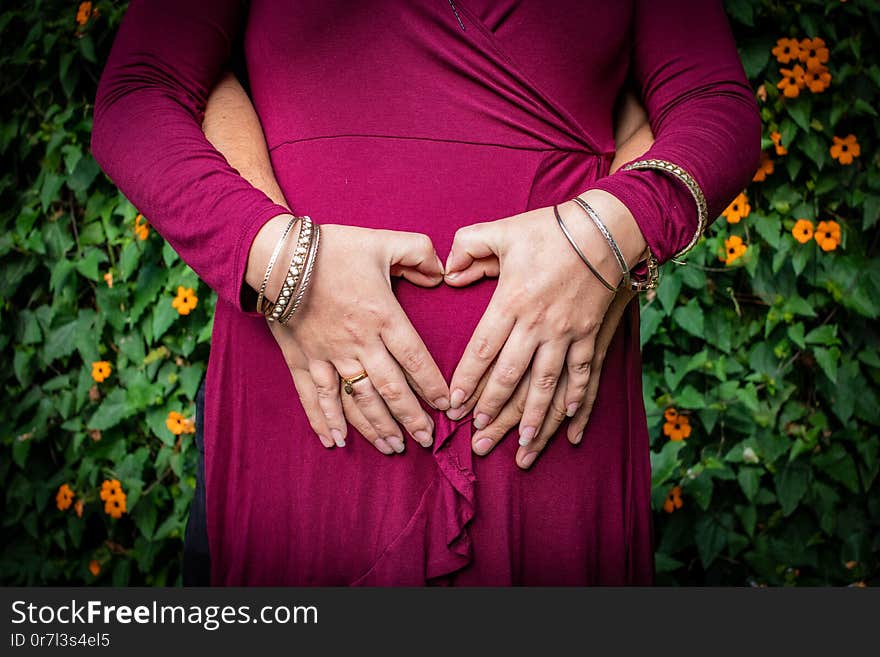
{"points": [[293, 272], [272, 259], [306, 277], [693, 188]]}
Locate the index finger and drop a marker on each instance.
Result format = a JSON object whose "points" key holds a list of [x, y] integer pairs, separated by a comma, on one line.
{"points": [[485, 344], [408, 349]]}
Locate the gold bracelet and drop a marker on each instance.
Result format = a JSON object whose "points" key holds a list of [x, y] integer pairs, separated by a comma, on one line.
{"points": [[693, 188]]}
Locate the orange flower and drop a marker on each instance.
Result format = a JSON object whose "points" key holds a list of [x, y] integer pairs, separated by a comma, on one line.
{"points": [[734, 249], [828, 235], [738, 209], [792, 81], [777, 141], [78, 507], [177, 424], [108, 278], [813, 52], [141, 227], [94, 568], [764, 169], [678, 428], [845, 149], [114, 498], [817, 79], [670, 414], [64, 497], [111, 488], [83, 13], [803, 230], [100, 370], [786, 50], [673, 500], [185, 300]]}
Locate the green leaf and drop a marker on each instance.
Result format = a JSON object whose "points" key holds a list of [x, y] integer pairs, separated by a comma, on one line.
{"points": [[828, 360], [665, 462], [60, 342], [690, 318], [711, 537], [749, 479], [111, 412], [839, 465], [791, 485]]}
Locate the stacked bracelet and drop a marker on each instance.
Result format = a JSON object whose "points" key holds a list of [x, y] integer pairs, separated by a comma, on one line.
{"points": [[600, 225], [298, 275], [580, 253], [275, 252]]}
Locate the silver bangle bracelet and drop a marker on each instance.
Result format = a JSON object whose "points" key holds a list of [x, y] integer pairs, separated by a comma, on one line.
{"points": [[612, 243], [272, 259], [580, 253]]}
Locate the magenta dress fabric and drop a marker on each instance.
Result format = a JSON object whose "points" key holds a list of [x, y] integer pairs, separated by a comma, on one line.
{"points": [[393, 114]]}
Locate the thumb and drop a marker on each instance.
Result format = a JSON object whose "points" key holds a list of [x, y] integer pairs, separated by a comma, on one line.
{"points": [[472, 243], [412, 256]]}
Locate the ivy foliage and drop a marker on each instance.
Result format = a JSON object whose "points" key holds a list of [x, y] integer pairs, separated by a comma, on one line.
{"points": [[765, 344]]}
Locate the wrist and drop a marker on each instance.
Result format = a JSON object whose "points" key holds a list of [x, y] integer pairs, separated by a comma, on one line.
{"points": [[261, 251], [620, 223]]}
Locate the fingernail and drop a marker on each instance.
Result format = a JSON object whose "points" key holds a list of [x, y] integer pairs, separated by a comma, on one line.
{"points": [[483, 446], [325, 441], [577, 438], [457, 398], [396, 443], [455, 413], [528, 459], [571, 409], [481, 420], [338, 438], [452, 276], [526, 435], [424, 438], [441, 403], [383, 447]]}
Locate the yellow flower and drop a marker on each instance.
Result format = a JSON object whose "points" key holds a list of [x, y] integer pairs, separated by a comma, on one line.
{"points": [[734, 249], [828, 235], [803, 230], [64, 497], [100, 370], [845, 149], [177, 424], [738, 209], [185, 300]]}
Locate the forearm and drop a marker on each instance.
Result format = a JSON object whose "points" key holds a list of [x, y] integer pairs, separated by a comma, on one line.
{"points": [[232, 126]]}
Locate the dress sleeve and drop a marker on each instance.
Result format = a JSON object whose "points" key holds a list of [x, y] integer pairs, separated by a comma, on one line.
{"points": [[703, 114], [147, 137]]}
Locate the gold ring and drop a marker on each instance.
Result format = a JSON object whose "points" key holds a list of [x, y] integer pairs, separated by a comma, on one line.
{"points": [[350, 381]]}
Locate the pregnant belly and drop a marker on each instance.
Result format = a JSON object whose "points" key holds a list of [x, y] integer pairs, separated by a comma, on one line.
{"points": [[418, 185]]}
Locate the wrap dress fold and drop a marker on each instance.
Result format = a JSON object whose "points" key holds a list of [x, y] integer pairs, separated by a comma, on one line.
{"points": [[421, 115]]}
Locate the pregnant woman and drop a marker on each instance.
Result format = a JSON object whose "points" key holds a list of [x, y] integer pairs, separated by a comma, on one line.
{"points": [[471, 260]]}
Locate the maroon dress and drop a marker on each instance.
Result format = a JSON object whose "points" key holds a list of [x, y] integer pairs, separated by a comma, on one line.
{"points": [[419, 115]]}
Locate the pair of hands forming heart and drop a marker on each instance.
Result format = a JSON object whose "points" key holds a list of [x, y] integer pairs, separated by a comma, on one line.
{"points": [[535, 356], [533, 360]]}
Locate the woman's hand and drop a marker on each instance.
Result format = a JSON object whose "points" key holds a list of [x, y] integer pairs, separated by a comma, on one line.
{"points": [[633, 138], [350, 321]]}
